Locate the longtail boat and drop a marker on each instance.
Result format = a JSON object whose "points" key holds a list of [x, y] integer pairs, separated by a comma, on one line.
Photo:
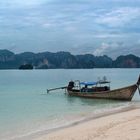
{"points": [[101, 91]]}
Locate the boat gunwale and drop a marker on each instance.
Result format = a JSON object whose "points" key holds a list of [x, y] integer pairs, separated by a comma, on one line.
{"points": [[100, 95], [101, 91]]}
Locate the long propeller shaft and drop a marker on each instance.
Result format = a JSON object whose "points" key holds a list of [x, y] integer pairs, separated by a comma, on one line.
{"points": [[48, 90]]}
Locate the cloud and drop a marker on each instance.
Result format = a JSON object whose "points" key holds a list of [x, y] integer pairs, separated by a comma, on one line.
{"points": [[101, 50], [112, 49], [56, 25], [107, 35], [119, 17], [20, 4], [47, 25]]}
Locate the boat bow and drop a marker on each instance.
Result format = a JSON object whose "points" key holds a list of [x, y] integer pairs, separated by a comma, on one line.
{"points": [[138, 83]]}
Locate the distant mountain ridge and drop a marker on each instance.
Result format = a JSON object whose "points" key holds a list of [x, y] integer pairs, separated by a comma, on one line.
{"points": [[49, 60]]}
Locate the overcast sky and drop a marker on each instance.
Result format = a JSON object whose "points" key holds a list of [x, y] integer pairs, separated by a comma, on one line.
{"points": [[99, 27]]}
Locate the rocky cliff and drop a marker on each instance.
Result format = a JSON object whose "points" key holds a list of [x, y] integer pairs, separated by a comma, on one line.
{"points": [[47, 60]]}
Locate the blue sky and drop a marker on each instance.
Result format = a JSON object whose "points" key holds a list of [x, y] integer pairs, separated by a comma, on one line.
{"points": [[99, 27]]}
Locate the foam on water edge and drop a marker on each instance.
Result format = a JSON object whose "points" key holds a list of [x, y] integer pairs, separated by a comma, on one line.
{"points": [[67, 121]]}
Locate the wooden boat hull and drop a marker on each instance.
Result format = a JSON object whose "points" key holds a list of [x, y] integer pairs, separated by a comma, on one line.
{"points": [[125, 93]]}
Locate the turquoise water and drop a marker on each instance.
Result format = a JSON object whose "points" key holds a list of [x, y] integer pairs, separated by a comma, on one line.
{"points": [[26, 108]]}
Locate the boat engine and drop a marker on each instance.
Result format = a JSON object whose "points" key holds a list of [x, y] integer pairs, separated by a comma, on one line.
{"points": [[70, 85]]}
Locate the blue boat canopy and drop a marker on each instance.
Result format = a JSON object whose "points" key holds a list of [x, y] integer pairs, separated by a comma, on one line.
{"points": [[88, 83]]}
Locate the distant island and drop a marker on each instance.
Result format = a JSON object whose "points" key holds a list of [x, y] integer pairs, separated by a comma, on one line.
{"points": [[26, 67], [64, 60]]}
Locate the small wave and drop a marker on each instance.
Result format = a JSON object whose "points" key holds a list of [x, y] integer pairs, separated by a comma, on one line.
{"points": [[69, 121]]}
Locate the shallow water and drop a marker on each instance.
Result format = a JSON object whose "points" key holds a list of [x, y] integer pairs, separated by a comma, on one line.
{"points": [[26, 108]]}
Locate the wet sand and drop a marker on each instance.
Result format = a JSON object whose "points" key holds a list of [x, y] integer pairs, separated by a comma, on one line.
{"points": [[124, 124]]}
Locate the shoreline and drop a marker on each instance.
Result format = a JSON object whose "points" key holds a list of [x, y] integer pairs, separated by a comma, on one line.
{"points": [[120, 125], [46, 133]]}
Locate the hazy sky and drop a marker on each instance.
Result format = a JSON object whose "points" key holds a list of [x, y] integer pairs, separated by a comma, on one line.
{"points": [[98, 27]]}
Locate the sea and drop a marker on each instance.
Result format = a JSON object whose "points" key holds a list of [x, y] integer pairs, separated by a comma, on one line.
{"points": [[27, 110]]}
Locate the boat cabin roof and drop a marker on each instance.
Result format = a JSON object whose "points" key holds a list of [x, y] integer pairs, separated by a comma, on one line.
{"points": [[94, 83], [103, 82], [88, 83]]}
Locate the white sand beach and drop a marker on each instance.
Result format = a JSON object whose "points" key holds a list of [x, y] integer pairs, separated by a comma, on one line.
{"points": [[119, 126]]}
